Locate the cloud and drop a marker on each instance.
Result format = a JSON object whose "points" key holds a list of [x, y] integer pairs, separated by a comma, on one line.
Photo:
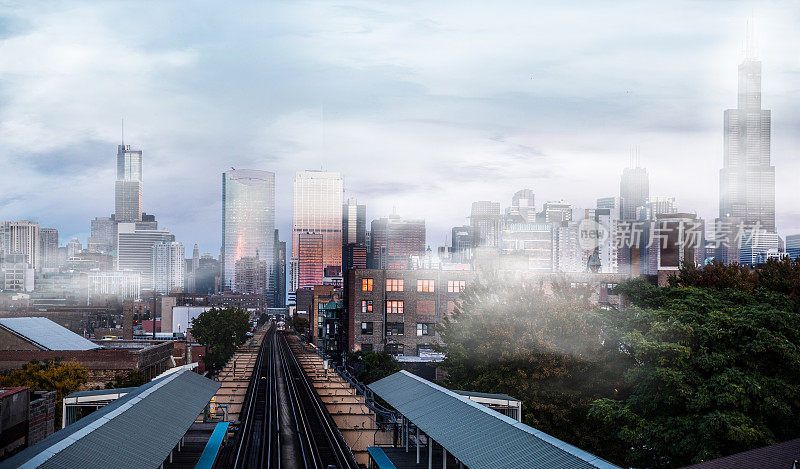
{"points": [[424, 106]]}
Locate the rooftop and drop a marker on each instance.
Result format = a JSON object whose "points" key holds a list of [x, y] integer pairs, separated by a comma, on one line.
{"points": [[478, 436], [155, 416], [46, 334]]}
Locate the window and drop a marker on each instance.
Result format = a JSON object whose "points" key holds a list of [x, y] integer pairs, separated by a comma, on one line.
{"points": [[395, 328], [394, 307], [394, 349], [424, 328], [366, 328], [366, 284], [366, 306], [394, 284], [456, 286], [366, 347], [425, 285]]}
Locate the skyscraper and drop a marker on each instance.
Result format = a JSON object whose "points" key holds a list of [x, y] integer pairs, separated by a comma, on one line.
{"points": [[168, 266], [486, 223], [634, 189], [555, 212], [128, 188], [48, 248], [354, 222], [22, 237], [248, 220], [747, 179], [394, 240], [318, 209], [135, 250], [102, 237], [522, 204], [310, 248]]}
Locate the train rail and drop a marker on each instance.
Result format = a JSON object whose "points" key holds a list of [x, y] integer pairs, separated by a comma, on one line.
{"points": [[283, 421]]}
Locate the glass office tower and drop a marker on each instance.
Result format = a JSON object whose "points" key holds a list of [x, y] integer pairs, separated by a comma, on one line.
{"points": [[318, 209], [248, 220]]}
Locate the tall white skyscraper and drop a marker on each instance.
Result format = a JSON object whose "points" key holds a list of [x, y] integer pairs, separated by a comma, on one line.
{"points": [[22, 237], [318, 210], [747, 178], [135, 250], [128, 188], [634, 189], [248, 220], [48, 248], [169, 266]]}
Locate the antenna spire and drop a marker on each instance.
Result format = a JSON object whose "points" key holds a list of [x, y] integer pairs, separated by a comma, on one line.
{"points": [[123, 132]]}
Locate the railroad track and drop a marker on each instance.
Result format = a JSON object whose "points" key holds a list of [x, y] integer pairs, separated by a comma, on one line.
{"points": [[284, 424]]}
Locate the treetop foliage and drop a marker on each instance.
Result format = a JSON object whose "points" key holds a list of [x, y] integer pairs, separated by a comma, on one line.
{"points": [[221, 330], [703, 368]]}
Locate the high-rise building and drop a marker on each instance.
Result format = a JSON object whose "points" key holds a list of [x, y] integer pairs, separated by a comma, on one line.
{"points": [[22, 237], [102, 235], [555, 212], [793, 246], [395, 240], [135, 250], [276, 291], [248, 220], [678, 240], [757, 245], [634, 189], [354, 256], [533, 242], [522, 205], [486, 222], [656, 206], [310, 247], [462, 243], [354, 222], [128, 188], [614, 204], [251, 276], [747, 178], [48, 248], [318, 209], [206, 278], [168, 267], [74, 247]]}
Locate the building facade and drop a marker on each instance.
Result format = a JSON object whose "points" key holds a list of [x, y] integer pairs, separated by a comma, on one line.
{"points": [[248, 220], [22, 237], [135, 250], [397, 310], [394, 241], [169, 267], [318, 210], [128, 188], [747, 178]]}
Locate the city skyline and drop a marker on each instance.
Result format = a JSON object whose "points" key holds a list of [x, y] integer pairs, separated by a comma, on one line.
{"points": [[496, 128]]}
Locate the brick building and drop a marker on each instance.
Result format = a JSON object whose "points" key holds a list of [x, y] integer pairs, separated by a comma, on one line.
{"points": [[26, 418], [397, 310]]}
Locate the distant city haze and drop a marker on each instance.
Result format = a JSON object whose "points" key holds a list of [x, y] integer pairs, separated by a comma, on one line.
{"points": [[422, 108]]}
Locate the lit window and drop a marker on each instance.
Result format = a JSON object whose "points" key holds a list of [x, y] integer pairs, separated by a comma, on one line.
{"points": [[394, 284], [366, 306], [366, 328], [366, 284], [395, 328], [394, 307], [456, 286], [426, 285]]}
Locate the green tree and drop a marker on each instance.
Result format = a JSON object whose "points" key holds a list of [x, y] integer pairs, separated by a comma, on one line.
{"points": [[62, 377], [130, 379], [716, 368], [546, 350], [221, 331], [372, 366], [300, 324]]}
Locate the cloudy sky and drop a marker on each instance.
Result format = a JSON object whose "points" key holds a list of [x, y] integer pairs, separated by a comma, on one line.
{"points": [[423, 106]]}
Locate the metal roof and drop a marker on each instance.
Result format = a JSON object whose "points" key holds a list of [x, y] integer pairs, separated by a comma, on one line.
{"points": [[136, 431], [486, 395], [100, 392], [478, 436], [46, 334]]}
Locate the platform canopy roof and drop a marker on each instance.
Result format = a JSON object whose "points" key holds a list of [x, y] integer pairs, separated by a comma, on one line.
{"points": [[46, 334], [475, 434], [135, 431]]}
